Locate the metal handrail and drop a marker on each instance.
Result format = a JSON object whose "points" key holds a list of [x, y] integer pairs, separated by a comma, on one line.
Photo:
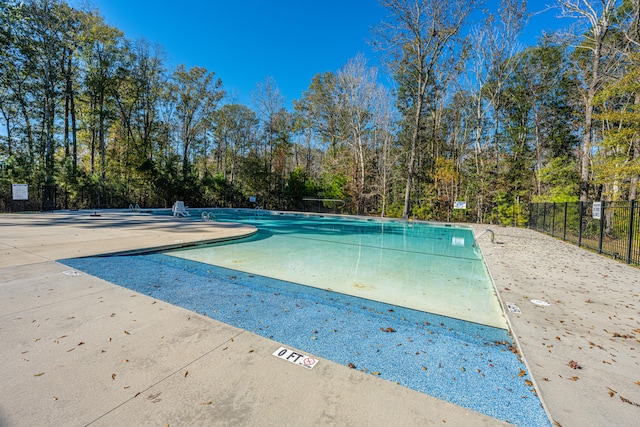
{"points": [[488, 230]]}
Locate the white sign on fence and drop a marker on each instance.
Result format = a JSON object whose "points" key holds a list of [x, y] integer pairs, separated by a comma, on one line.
{"points": [[20, 191], [596, 210], [459, 205]]}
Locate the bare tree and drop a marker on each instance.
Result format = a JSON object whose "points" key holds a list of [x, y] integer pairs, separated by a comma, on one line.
{"points": [[416, 41], [598, 17], [494, 47]]}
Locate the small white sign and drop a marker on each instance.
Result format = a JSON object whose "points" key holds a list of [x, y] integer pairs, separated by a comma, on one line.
{"points": [[295, 357], [72, 273], [459, 205], [513, 308], [596, 210], [20, 191]]}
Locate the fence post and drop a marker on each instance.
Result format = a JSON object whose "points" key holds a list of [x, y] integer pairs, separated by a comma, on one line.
{"points": [[564, 233], [603, 210], [553, 220], [580, 209], [630, 240]]}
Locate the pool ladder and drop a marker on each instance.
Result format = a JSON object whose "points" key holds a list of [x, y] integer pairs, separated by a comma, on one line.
{"points": [[493, 236]]}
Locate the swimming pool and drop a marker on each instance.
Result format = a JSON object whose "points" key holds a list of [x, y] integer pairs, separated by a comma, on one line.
{"points": [[431, 268], [467, 363]]}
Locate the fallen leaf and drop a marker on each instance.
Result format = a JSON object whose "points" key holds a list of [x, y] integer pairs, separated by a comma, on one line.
{"points": [[528, 383], [185, 374], [375, 373], [55, 398], [522, 373], [388, 330], [625, 400], [39, 375], [207, 402], [251, 351], [81, 343], [351, 365], [113, 376], [574, 365], [127, 333]]}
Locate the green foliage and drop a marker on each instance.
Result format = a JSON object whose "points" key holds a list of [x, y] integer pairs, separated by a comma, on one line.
{"points": [[507, 212], [618, 160], [333, 186], [299, 186], [560, 180]]}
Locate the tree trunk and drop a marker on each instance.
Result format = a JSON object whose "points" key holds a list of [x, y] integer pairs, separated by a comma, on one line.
{"points": [[412, 153], [585, 162]]}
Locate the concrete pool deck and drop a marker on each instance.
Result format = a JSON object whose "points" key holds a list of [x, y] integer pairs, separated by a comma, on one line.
{"points": [[77, 350]]}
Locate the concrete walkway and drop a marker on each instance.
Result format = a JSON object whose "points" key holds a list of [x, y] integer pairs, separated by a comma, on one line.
{"points": [[583, 350], [77, 350]]}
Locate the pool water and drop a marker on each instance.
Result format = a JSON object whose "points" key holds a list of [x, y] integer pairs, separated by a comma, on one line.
{"points": [[431, 268]]}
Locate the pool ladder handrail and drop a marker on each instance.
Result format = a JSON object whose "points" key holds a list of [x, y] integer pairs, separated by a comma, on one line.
{"points": [[207, 216], [488, 230]]}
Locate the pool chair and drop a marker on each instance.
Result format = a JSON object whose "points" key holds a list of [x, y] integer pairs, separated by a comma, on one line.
{"points": [[179, 210]]}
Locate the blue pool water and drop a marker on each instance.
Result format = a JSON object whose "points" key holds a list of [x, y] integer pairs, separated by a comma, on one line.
{"points": [[467, 363], [431, 268]]}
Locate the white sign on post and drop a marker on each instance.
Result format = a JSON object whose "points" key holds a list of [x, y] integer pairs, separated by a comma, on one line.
{"points": [[20, 191], [459, 205], [596, 210]]}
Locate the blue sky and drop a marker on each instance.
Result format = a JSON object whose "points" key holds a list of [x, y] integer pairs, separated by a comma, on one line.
{"points": [[244, 41]]}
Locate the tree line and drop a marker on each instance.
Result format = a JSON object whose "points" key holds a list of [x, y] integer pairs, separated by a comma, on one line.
{"points": [[92, 119]]}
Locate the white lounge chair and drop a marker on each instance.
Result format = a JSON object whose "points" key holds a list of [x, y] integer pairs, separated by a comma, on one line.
{"points": [[179, 210]]}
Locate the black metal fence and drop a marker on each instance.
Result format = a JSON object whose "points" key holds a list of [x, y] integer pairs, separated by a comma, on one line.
{"points": [[610, 228]]}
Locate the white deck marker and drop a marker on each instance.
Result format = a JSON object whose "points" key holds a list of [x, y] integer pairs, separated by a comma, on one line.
{"points": [[540, 303], [72, 273], [295, 357], [513, 308]]}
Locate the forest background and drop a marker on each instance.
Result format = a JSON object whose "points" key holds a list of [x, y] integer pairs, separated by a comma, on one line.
{"points": [[92, 119]]}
